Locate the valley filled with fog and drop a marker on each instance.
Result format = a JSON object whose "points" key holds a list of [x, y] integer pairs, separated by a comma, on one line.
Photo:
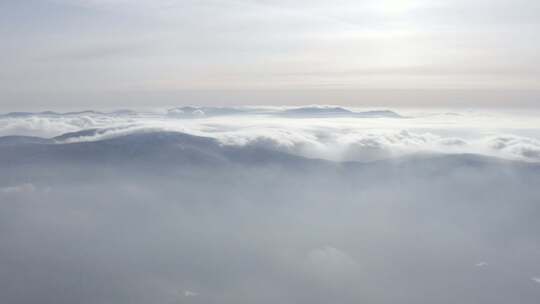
{"points": [[316, 204]]}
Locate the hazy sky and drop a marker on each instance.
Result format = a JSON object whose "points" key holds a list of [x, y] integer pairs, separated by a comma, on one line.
{"points": [[120, 53]]}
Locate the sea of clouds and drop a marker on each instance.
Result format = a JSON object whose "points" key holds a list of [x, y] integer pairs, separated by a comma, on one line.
{"points": [[326, 132]]}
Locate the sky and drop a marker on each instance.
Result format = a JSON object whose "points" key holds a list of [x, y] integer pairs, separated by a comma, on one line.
{"points": [[74, 54]]}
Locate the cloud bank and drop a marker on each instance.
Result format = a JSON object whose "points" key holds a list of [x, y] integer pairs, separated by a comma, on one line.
{"points": [[327, 132]]}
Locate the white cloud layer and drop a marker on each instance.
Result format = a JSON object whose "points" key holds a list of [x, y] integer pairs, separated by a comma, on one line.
{"points": [[326, 133]]}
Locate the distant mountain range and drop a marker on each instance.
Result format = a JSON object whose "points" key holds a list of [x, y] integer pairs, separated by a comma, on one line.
{"points": [[170, 149], [337, 111], [52, 113], [200, 112]]}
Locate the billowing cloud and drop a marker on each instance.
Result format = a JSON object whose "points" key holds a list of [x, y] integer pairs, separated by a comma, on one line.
{"points": [[317, 132], [527, 148]]}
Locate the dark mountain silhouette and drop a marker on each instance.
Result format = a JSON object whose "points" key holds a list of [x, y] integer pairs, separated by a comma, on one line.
{"points": [[336, 111]]}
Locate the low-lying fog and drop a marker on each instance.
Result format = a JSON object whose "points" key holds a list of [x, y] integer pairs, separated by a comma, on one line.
{"points": [[326, 132], [137, 211]]}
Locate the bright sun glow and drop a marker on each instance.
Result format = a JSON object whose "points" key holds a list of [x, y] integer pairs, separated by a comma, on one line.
{"points": [[395, 7]]}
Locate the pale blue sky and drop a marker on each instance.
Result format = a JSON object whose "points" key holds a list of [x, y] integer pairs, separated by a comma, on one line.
{"points": [[119, 53]]}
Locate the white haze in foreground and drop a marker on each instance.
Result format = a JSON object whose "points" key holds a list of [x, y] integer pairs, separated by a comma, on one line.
{"points": [[514, 136], [121, 222]]}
